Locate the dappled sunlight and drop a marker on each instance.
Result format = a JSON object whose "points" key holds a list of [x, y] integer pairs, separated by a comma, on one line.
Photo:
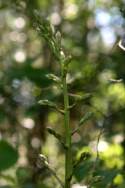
{"points": [[102, 146], [55, 18], [62, 93], [79, 186], [119, 179], [70, 10], [112, 156], [103, 18], [20, 56], [19, 23], [28, 123], [116, 93]]}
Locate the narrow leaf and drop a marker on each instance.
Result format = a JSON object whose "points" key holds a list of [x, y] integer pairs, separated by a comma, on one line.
{"points": [[85, 118], [50, 104], [56, 135], [47, 103], [78, 97], [53, 77]]}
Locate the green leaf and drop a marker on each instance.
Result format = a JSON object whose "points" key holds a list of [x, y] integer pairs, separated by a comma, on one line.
{"points": [[54, 78], [78, 97], [50, 104], [85, 118], [56, 135], [108, 176], [8, 155], [47, 103], [84, 156], [82, 171], [122, 185]]}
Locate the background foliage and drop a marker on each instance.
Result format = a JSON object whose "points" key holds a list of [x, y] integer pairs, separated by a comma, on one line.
{"points": [[90, 33]]}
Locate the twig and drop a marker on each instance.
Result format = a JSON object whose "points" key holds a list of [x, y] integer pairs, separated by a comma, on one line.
{"points": [[55, 175], [90, 180], [97, 150]]}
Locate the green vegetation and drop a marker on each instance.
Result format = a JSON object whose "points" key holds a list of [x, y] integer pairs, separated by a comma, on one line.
{"points": [[62, 94]]}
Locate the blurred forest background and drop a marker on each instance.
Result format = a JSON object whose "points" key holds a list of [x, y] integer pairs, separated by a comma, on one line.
{"points": [[90, 33]]}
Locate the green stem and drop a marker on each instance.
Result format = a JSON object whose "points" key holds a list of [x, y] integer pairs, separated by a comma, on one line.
{"points": [[68, 154]]}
